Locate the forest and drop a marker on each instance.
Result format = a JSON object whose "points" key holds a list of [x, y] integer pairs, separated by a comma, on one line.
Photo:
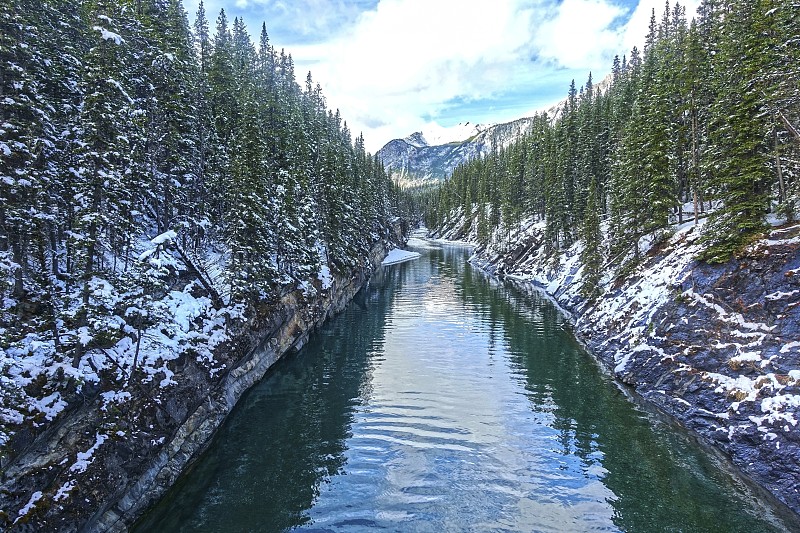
{"points": [[153, 177], [699, 126]]}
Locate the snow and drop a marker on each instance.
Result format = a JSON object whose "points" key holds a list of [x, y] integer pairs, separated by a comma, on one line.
{"points": [[734, 318], [325, 277], [779, 295], [167, 381], [167, 236], [84, 336], [146, 254], [50, 405], [64, 491], [775, 410], [10, 416], [747, 357], [308, 289], [114, 397], [108, 35], [185, 308], [436, 135], [622, 359], [399, 256], [775, 220], [35, 497], [84, 459], [179, 323]]}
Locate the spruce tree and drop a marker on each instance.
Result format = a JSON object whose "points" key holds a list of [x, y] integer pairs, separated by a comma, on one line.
{"points": [[591, 255], [738, 133]]}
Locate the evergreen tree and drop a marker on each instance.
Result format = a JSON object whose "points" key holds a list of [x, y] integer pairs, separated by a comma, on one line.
{"points": [[738, 134], [102, 188], [591, 255]]}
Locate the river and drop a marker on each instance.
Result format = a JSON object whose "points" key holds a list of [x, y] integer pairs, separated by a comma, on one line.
{"points": [[444, 400]]}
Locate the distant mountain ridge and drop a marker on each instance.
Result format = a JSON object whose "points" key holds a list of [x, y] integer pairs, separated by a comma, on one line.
{"points": [[425, 157]]}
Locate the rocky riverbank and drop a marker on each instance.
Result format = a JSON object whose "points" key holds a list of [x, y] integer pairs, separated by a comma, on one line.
{"points": [[103, 461], [715, 346]]}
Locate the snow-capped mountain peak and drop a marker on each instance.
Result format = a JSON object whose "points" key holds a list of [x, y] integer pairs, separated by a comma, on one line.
{"points": [[437, 135], [417, 140]]}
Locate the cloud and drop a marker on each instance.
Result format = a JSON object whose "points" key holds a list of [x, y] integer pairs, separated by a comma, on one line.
{"points": [[580, 34], [290, 22], [372, 121]]}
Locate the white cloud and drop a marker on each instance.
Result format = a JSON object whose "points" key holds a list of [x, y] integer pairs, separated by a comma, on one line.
{"points": [[308, 20], [579, 34]]}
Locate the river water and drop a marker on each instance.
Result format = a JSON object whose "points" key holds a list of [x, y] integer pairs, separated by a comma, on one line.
{"points": [[443, 400]]}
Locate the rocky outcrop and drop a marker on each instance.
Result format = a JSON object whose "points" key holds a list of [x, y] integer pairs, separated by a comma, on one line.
{"points": [[128, 458], [715, 346]]}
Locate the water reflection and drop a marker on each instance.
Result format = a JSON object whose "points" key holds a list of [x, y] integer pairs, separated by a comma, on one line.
{"points": [[446, 401]]}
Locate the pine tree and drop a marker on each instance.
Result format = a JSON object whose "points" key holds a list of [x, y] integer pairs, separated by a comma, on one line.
{"points": [[204, 134], [591, 255], [781, 88], [173, 124], [224, 113], [20, 129], [102, 188], [738, 134]]}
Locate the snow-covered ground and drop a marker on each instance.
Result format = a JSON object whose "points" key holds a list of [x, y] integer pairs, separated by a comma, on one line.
{"points": [[149, 335]]}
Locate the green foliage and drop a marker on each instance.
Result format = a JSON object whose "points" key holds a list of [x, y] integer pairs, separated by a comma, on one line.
{"points": [[591, 256]]}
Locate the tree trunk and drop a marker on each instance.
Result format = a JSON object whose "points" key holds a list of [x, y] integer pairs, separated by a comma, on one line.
{"points": [[781, 186], [695, 163], [19, 259], [789, 126], [51, 230], [91, 247]]}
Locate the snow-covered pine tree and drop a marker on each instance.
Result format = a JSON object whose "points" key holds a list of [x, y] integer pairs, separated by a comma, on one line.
{"points": [[738, 133], [591, 256]]}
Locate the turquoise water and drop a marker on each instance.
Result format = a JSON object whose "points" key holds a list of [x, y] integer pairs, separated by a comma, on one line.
{"points": [[442, 400]]}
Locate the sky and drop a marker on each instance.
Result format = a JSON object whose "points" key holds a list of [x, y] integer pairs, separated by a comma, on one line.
{"points": [[394, 67]]}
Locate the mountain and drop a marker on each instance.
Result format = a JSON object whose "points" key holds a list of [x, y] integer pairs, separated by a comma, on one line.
{"points": [[426, 157]]}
